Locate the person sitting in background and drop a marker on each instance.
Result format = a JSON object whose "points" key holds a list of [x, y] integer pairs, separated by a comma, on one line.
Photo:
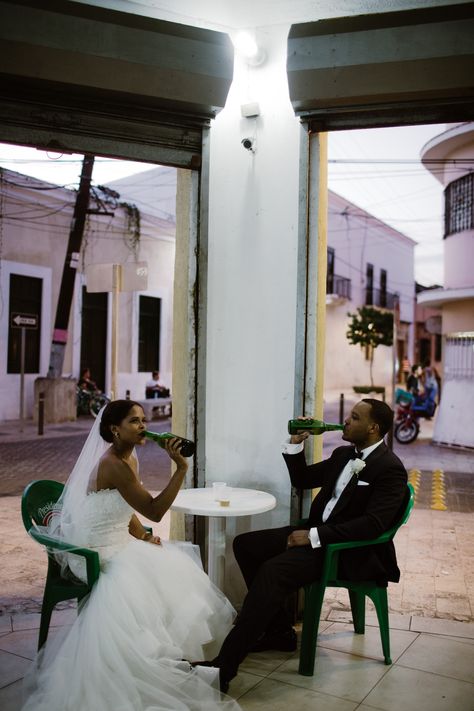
{"points": [[85, 381], [430, 383], [153, 387], [413, 384], [425, 403]]}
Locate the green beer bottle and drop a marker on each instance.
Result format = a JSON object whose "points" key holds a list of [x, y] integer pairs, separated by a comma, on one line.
{"points": [[314, 427], [187, 447]]}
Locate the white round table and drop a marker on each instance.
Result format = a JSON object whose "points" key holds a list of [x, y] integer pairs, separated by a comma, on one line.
{"points": [[200, 502]]}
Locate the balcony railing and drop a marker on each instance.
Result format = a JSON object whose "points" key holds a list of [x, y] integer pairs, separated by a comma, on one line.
{"points": [[339, 285], [380, 297]]}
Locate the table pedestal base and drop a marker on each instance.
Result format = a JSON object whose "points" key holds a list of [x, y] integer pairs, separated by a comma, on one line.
{"points": [[216, 551]]}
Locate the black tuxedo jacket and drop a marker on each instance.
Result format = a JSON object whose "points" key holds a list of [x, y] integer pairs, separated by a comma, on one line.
{"points": [[363, 511]]}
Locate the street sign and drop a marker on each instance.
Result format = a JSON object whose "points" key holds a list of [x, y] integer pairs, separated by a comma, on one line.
{"points": [[24, 320]]}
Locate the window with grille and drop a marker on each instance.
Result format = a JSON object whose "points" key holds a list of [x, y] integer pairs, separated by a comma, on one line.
{"points": [[149, 334], [459, 205], [25, 298], [459, 356]]}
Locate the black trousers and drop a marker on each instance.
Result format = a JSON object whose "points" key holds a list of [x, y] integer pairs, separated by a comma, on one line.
{"points": [[271, 571]]}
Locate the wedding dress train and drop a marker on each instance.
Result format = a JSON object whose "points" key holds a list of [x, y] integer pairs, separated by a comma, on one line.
{"points": [[151, 608]]}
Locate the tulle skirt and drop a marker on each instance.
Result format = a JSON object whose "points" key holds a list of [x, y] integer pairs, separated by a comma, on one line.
{"points": [[151, 608]]}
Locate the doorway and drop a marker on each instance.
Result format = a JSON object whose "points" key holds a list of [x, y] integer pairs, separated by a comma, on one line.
{"points": [[94, 335]]}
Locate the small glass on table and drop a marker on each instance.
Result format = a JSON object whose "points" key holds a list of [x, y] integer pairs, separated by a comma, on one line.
{"points": [[221, 493]]}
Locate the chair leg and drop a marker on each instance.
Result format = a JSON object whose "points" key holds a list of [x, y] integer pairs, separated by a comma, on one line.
{"points": [[358, 610], [380, 600], [313, 602], [46, 612]]}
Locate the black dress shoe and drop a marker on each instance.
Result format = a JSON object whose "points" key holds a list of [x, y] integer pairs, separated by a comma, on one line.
{"points": [[280, 641], [223, 683]]}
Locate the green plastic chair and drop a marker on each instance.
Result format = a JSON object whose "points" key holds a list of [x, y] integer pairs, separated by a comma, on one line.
{"points": [[38, 500], [314, 595]]}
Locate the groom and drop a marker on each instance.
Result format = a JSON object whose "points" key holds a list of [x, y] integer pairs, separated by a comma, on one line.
{"points": [[363, 491]]}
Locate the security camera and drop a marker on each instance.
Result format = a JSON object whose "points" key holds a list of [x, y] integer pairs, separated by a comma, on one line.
{"points": [[247, 143]]}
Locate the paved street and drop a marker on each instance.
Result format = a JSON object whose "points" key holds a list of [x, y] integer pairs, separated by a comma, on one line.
{"points": [[27, 456]]}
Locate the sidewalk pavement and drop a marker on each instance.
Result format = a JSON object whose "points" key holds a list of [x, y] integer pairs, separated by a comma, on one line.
{"points": [[432, 670]]}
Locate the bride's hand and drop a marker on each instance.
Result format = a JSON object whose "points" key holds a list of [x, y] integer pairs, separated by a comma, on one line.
{"points": [[173, 447], [154, 539]]}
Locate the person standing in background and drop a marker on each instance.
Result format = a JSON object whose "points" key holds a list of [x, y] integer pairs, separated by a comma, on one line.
{"points": [[153, 387]]}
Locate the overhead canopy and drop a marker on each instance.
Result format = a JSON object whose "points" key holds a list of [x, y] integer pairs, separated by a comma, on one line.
{"points": [[414, 66], [90, 79]]}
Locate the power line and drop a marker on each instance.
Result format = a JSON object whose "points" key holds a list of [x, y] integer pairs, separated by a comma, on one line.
{"points": [[403, 161]]}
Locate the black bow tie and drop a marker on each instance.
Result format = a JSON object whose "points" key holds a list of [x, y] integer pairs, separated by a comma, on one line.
{"points": [[356, 454]]}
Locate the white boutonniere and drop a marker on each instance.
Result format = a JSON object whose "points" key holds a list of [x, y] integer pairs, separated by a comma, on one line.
{"points": [[356, 466]]}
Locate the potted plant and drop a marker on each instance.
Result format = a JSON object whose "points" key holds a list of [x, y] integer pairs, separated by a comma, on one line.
{"points": [[370, 327]]}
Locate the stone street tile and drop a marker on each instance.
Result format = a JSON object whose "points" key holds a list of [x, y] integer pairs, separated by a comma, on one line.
{"points": [[343, 638], [12, 668], [347, 676], [442, 627], [271, 694], [456, 606], [11, 696], [5, 624], [414, 689], [438, 655]]}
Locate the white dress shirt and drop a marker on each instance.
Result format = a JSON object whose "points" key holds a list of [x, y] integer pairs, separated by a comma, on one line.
{"points": [[342, 481]]}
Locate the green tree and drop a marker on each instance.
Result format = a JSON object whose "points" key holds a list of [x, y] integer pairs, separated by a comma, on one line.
{"points": [[370, 328]]}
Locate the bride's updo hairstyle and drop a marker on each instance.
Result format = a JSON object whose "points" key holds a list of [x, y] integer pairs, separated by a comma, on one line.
{"points": [[114, 414]]}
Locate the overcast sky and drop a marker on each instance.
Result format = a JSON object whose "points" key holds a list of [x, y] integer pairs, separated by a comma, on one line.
{"points": [[400, 191]]}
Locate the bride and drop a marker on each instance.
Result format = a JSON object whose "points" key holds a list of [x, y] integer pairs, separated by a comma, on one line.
{"points": [[152, 606]]}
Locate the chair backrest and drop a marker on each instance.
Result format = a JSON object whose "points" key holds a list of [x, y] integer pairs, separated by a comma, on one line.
{"points": [[38, 502], [410, 500]]}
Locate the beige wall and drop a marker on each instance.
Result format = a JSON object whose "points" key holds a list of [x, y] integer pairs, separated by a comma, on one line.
{"points": [[459, 260], [458, 316]]}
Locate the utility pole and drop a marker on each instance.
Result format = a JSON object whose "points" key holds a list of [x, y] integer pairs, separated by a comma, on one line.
{"points": [[66, 292]]}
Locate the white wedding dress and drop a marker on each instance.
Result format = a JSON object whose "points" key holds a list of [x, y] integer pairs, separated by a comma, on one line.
{"points": [[151, 608]]}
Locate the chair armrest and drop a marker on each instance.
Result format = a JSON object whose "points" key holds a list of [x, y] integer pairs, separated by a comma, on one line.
{"points": [[91, 557], [331, 559], [383, 538]]}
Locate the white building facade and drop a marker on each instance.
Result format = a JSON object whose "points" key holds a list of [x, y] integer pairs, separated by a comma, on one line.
{"points": [[369, 264], [35, 229], [450, 157]]}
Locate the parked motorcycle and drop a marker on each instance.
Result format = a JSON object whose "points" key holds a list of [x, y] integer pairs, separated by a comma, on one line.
{"points": [[411, 408]]}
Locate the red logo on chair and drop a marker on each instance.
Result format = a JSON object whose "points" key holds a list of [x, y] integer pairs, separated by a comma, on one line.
{"points": [[46, 512]]}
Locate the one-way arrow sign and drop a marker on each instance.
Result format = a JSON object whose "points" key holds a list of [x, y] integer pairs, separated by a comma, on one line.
{"points": [[24, 320]]}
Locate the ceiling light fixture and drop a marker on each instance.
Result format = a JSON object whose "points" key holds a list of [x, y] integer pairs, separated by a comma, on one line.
{"points": [[246, 45]]}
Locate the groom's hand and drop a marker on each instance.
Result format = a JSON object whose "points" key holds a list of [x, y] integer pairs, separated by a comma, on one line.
{"points": [[300, 436], [298, 538]]}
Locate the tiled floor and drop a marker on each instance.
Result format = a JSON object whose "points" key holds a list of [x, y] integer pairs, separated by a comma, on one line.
{"points": [[432, 670]]}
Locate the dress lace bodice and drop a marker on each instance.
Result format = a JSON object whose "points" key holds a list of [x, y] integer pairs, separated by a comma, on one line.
{"points": [[103, 527]]}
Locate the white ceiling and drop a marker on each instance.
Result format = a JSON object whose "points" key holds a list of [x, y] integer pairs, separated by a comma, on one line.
{"points": [[237, 14]]}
